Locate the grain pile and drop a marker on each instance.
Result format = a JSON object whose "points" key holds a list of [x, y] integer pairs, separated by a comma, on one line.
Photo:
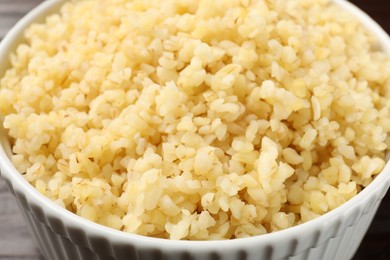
{"points": [[198, 120]]}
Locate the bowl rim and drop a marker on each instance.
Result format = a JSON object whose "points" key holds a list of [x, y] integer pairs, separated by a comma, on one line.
{"points": [[19, 184]]}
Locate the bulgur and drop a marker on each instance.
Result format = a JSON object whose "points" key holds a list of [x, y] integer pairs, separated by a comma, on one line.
{"points": [[198, 120]]}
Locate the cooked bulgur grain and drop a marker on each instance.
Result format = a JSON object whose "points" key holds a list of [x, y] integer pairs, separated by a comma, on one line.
{"points": [[201, 119]]}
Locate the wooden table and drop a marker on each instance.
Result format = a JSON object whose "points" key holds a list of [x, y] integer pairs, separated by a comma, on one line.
{"points": [[16, 241]]}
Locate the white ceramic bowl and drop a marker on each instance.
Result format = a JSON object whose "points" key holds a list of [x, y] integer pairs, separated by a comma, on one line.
{"points": [[62, 235]]}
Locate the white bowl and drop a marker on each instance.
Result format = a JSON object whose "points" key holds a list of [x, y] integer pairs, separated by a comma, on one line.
{"points": [[64, 235]]}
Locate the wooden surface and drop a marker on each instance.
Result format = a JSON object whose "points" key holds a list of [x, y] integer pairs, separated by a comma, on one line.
{"points": [[15, 240]]}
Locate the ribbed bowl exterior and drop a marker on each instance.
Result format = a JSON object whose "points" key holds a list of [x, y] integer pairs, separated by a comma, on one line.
{"points": [[337, 239], [63, 235]]}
